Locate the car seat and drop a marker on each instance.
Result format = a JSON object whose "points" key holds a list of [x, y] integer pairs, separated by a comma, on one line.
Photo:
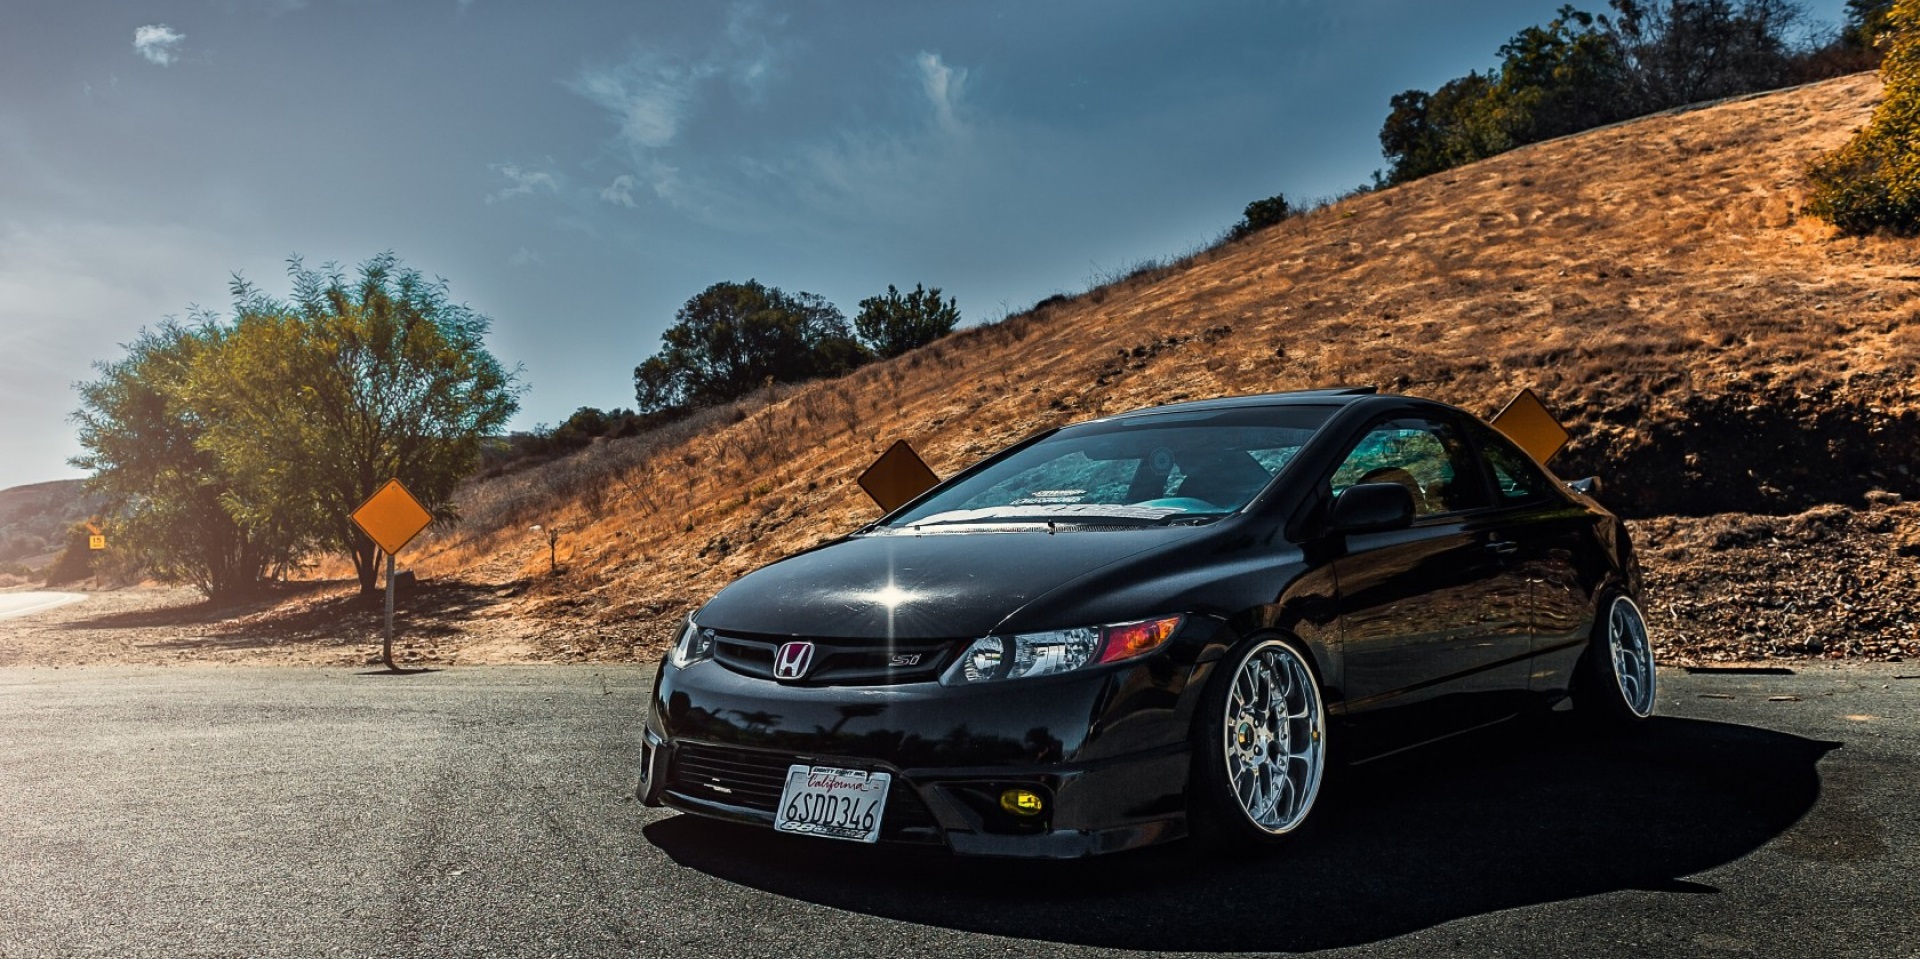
{"points": [[1226, 480]]}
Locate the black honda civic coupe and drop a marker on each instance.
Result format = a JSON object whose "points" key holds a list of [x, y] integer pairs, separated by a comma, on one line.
{"points": [[1150, 626]]}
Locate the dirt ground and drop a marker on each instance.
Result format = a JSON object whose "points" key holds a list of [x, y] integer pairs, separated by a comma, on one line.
{"points": [[313, 624]]}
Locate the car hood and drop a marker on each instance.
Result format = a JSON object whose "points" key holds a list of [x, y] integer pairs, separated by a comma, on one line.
{"points": [[899, 585]]}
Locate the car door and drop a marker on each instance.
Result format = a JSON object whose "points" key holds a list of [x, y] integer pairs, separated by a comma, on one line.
{"points": [[1433, 618], [1550, 531]]}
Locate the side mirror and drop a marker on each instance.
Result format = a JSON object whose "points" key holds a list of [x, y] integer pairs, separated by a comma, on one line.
{"points": [[1371, 508]]}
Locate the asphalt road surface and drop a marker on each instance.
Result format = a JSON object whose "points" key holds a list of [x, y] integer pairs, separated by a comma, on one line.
{"points": [[486, 812], [21, 604]]}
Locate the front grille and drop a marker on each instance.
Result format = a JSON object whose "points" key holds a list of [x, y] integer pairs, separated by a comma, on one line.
{"points": [[839, 662], [754, 780]]}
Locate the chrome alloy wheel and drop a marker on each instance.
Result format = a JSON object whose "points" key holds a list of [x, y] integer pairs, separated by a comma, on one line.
{"points": [[1632, 656], [1275, 737]]}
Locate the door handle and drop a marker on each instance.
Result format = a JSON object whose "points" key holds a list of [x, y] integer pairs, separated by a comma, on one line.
{"points": [[1503, 547]]}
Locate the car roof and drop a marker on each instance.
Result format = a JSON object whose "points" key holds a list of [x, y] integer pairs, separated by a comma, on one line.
{"points": [[1337, 396]]}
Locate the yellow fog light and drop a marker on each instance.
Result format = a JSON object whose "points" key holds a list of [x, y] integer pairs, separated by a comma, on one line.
{"points": [[1023, 802]]}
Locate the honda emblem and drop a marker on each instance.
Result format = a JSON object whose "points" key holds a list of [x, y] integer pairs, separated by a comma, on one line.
{"points": [[792, 660]]}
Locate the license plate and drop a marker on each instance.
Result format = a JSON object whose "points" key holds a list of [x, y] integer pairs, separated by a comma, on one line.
{"points": [[833, 802]]}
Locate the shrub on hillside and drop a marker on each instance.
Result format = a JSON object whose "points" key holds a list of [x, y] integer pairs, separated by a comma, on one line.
{"points": [[1873, 182], [895, 322], [1261, 214]]}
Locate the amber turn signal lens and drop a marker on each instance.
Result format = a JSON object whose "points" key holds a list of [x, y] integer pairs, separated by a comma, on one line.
{"points": [[1023, 802], [1133, 639]]}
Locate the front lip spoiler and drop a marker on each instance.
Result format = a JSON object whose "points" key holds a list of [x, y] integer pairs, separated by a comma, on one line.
{"points": [[676, 799], [1054, 844]]}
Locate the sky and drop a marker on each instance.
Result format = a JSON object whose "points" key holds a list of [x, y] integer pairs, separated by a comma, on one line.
{"points": [[577, 170]]}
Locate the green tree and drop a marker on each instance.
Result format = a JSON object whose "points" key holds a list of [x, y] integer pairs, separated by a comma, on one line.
{"points": [[1579, 71], [1429, 132], [1873, 181], [1261, 214], [893, 323], [1563, 77], [1685, 51], [315, 402], [172, 497], [1866, 22], [728, 339]]}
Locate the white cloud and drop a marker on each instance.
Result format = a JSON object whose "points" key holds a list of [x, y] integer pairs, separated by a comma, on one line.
{"points": [[865, 171], [649, 96], [620, 191], [525, 257], [880, 173], [522, 182], [656, 91], [159, 43], [752, 58], [944, 87]]}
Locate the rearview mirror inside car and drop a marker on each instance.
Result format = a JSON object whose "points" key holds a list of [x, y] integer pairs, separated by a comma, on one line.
{"points": [[1371, 508]]}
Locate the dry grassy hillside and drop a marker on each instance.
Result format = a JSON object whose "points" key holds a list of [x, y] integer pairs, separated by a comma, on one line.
{"points": [[1713, 351], [34, 520]]}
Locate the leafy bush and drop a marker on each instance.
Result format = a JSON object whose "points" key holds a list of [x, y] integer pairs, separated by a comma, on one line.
{"points": [[1261, 214], [893, 323], [1873, 182], [75, 562]]}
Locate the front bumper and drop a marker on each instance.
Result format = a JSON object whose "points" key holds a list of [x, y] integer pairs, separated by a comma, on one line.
{"points": [[1108, 749], [1104, 808]]}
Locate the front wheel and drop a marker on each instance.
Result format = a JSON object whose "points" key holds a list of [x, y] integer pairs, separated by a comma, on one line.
{"points": [[1261, 749], [1617, 678]]}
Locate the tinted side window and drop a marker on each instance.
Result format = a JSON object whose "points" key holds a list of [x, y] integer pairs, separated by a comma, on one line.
{"points": [[1515, 476], [1430, 458]]}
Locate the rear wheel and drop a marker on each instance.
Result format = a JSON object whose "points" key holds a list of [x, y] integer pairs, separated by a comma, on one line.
{"points": [[1262, 748], [1617, 685]]}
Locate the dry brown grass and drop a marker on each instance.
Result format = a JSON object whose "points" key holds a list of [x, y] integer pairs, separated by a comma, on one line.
{"points": [[1630, 274]]}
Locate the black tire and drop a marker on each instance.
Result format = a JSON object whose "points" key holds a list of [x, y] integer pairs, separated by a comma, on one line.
{"points": [[1218, 817], [1602, 698]]}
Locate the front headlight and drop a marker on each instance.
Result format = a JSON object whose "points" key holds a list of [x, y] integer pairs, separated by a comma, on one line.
{"points": [[694, 645], [991, 658]]}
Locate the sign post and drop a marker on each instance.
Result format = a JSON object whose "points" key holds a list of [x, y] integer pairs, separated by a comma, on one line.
{"points": [[391, 517]]}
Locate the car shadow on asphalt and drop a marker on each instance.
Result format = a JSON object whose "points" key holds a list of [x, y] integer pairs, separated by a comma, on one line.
{"points": [[1512, 816]]}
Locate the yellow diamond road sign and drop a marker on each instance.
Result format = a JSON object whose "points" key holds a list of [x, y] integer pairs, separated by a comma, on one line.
{"points": [[1526, 421], [96, 541], [392, 517], [897, 477]]}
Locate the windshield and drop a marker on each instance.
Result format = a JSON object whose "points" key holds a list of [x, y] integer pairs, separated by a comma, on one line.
{"points": [[1147, 469]]}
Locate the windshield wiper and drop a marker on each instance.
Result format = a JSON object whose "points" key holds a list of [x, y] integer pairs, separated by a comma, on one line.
{"points": [[1089, 515]]}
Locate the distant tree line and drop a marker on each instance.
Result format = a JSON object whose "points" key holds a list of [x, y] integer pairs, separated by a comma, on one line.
{"points": [[734, 338], [503, 454], [228, 448], [1581, 70]]}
